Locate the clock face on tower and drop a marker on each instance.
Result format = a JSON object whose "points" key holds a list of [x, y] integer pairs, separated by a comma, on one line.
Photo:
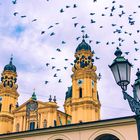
{"points": [[80, 81], [32, 106]]}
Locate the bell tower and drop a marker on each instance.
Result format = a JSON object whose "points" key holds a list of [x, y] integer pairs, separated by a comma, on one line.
{"points": [[8, 97], [82, 101]]}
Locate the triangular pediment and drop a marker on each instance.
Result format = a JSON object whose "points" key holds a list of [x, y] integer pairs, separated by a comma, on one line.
{"points": [[22, 107]]}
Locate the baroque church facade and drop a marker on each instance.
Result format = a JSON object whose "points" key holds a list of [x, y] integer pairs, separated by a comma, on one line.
{"points": [[80, 120], [81, 98]]}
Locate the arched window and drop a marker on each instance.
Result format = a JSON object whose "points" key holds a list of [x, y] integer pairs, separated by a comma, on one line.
{"points": [[10, 108], [80, 92], [32, 125], [0, 107], [45, 123], [17, 127], [107, 137]]}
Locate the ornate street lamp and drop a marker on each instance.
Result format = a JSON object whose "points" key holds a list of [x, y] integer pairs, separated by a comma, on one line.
{"points": [[121, 69]]}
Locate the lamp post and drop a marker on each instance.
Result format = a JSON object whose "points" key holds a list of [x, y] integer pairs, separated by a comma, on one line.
{"points": [[121, 69]]}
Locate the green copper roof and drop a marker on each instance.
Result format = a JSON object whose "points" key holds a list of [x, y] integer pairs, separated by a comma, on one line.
{"points": [[69, 93], [10, 66], [34, 96], [83, 46]]}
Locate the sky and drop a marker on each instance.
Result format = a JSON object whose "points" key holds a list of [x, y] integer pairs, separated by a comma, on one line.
{"points": [[33, 31]]}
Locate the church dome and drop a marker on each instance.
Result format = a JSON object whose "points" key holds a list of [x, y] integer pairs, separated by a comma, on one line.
{"points": [[10, 66], [83, 46]]}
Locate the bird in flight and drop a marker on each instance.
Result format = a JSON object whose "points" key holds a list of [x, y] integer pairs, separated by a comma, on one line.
{"points": [[65, 68], [136, 49], [55, 75], [15, 13], [97, 58], [74, 17], [53, 67], [42, 32], [92, 21], [23, 16], [92, 14], [126, 53], [50, 27], [74, 6], [67, 6], [47, 64], [58, 50], [52, 34], [34, 20], [63, 42], [77, 38], [46, 82], [75, 24], [61, 10]]}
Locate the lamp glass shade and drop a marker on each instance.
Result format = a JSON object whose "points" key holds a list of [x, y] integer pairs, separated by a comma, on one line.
{"points": [[137, 88], [121, 72]]}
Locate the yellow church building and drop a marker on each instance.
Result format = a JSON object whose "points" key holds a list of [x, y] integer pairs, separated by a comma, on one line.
{"points": [[80, 120]]}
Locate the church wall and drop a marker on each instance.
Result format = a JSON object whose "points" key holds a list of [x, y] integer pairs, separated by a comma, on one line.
{"points": [[46, 116], [6, 124], [124, 129]]}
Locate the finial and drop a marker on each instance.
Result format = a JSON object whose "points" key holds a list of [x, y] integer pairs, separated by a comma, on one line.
{"points": [[138, 73], [34, 95], [118, 52], [33, 90], [54, 99], [11, 58], [50, 98], [83, 35]]}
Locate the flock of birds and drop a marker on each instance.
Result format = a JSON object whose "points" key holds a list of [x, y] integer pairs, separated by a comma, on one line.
{"points": [[116, 29]]}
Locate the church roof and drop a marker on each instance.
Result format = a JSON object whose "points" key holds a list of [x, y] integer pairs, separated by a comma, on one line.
{"points": [[83, 46], [84, 126], [10, 66]]}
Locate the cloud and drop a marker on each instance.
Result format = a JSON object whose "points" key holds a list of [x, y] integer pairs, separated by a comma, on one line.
{"points": [[31, 50]]}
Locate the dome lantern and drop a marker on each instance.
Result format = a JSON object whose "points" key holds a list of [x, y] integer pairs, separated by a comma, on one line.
{"points": [[10, 66]]}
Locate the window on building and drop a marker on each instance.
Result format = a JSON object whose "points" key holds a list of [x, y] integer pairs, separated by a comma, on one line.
{"points": [[80, 92], [10, 108], [17, 127], [32, 125], [0, 107], [55, 123], [45, 123], [107, 137], [0, 99]]}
